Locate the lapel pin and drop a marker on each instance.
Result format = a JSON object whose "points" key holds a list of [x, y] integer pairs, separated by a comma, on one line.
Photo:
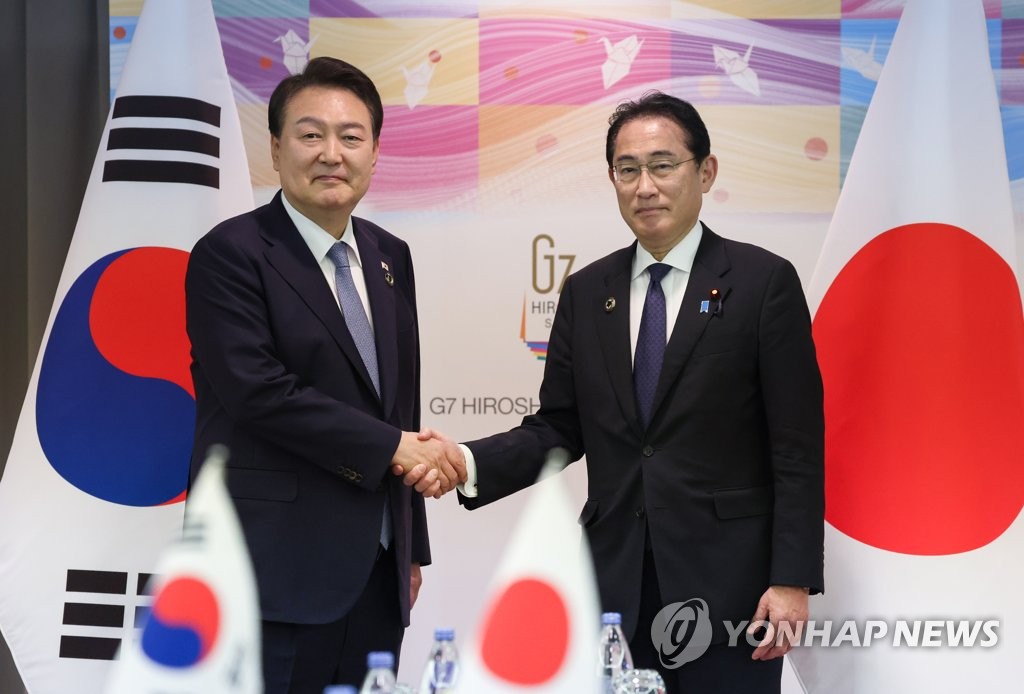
{"points": [[609, 304], [388, 277], [713, 304]]}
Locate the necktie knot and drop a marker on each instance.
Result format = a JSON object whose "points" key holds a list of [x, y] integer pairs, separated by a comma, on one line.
{"points": [[657, 271], [339, 254]]}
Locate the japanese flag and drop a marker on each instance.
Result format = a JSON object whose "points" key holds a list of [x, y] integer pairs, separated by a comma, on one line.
{"points": [[920, 338], [541, 621]]}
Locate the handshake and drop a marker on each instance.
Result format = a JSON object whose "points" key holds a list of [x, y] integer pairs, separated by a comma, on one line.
{"points": [[429, 461]]}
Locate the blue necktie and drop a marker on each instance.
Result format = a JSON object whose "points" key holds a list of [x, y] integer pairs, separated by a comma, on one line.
{"points": [[650, 343], [362, 335], [352, 308]]}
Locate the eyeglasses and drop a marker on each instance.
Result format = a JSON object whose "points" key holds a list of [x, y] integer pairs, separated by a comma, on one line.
{"points": [[659, 169]]}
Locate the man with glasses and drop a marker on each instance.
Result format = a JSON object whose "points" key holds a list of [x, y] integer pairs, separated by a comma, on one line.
{"points": [[683, 368]]}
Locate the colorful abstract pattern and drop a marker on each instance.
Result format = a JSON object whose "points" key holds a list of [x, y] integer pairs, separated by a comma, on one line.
{"points": [[485, 96]]}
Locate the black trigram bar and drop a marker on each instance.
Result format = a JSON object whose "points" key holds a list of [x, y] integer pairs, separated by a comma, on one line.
{"points": [[83, 581], [164, 138], [88, 647], [141, 613], [93, 615], [167, 107], [142, 586], [161, 172]]}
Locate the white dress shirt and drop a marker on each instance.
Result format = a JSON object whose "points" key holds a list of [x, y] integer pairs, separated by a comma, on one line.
{"points": [[320, 242]]}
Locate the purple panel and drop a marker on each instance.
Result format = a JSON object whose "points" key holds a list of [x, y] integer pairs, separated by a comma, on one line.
{"points": [[1011, 76], [790, 61], [253, 53], [393, 8], [544, 61], [428, 155]]}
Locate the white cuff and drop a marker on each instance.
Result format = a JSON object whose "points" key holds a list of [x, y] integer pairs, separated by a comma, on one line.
{"points": [[469, 489]]}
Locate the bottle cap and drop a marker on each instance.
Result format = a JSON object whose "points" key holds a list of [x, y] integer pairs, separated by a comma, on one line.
{"points": [[380, 659], [611, 618], [444, 634]]}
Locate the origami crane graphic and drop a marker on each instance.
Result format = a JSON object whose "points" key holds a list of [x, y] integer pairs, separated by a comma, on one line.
{"points": [[417, 82], [737, 67], [863, 61], [620, 58], [296, 51]]}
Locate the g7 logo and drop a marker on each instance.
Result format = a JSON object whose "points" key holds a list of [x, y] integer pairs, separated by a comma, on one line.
{"points": [[544, 265]]}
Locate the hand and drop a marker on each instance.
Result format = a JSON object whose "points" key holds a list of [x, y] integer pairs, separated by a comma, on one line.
{"points": [[453, 467], [453, 451], [415, 581], [785, 608], [425, 465]]}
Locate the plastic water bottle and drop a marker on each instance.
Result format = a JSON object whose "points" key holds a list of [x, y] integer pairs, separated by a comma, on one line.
{"points": [[380, 676], [613, 654], [442, 671]]}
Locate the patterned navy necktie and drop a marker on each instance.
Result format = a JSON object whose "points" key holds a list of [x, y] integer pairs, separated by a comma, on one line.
{"points": [[650, 343]]}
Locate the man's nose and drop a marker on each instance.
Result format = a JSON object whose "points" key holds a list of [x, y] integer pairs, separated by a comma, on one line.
{"points": [[331, 151], [645, 184]]}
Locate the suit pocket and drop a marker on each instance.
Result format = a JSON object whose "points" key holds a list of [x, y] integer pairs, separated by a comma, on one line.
{"points": [[264, 485], [589, 513], [744, 502]]}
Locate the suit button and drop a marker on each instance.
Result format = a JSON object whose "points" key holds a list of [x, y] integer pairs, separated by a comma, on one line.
{"points": [[648, 451], [639, 513], [339, 470]]}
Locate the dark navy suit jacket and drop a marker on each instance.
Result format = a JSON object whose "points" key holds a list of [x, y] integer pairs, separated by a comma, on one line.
{"points": [[728, 477], [279, 380]]}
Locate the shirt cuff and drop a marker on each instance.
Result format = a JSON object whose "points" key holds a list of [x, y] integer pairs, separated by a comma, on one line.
{"points": [[468, 489]]}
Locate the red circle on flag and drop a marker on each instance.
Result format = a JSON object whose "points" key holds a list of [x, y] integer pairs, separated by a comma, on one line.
{"points": [[526, 635], [920, 339]]}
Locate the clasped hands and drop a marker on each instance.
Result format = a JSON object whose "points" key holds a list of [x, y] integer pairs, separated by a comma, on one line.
{"points": [[430, 462]]}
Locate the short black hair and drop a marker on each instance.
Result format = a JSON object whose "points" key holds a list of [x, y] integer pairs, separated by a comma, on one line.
{"points": [[659, 104], [333, 74]]}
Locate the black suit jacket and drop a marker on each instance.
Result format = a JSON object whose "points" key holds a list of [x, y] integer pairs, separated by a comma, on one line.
{"points": [[279, 380], [728, 477]]}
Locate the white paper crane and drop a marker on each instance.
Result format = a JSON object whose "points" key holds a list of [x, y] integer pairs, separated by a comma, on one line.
{"points": [[737, 67]]}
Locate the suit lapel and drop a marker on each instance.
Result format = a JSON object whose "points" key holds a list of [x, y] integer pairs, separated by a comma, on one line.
{"points": [[289, 255], [377, 267], [613, 334], [709, 266]]}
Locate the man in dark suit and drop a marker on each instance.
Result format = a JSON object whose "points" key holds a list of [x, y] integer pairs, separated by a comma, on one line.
{"points": [[305, 360], [683, 368]]}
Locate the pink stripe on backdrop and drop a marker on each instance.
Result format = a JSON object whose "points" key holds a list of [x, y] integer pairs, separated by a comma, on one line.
{"points": [[428, 155], [535, 61]]}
